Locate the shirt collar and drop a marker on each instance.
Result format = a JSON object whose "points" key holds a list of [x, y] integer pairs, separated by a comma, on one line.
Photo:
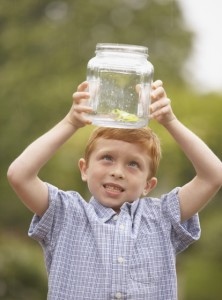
{"points": [[103, 212], [106, 213], [130, 208]]}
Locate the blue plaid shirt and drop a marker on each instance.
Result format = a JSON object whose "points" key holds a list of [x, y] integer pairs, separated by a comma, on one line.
{"points": [[92, 253]]}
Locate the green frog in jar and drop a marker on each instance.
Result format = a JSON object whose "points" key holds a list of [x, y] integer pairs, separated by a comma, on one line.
{"points": [[121, 115]]}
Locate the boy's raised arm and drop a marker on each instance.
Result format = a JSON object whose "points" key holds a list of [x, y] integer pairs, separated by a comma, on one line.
{"points": [[23, 172], [195, 194]]}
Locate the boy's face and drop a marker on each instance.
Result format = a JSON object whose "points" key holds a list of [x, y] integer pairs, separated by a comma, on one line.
{"points": [[117, 172]]}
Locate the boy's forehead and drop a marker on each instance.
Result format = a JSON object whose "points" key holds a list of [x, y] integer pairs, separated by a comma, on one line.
{"points": [[103, 144]]}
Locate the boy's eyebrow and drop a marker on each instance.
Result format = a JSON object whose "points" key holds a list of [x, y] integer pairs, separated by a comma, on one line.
{"points": [[131, 156], [104, 150]]}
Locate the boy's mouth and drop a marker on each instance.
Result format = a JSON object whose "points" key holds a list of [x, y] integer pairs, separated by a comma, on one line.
{"points": [[113, 188]]}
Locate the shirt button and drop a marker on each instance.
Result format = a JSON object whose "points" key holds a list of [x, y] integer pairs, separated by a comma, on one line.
{"points": [[121, 226], [120, 259], [115, 217], [118, 295]]}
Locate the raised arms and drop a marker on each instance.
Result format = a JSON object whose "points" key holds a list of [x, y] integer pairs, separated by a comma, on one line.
{"points": [[23, 172], [195, 194]]}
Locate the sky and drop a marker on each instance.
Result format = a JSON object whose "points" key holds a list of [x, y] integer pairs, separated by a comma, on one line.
{"points": [[204, 17]]}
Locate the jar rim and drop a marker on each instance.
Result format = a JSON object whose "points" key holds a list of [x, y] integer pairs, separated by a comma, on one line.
{"points": [[126, 48]]}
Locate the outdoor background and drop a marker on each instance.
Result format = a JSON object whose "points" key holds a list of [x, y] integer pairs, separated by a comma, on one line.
{"points": [[44, 50]]}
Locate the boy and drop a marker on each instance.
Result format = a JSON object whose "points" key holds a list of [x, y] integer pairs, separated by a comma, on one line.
{"points": [[122, 244]]}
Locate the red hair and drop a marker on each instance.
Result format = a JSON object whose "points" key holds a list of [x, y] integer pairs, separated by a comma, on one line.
{"points": [[144, 137]]}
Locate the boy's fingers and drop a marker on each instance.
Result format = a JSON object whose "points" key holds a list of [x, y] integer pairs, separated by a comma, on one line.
{"points": [[159, 104], [78, 96], [158, 93], [80, 113], [157, 84], [83, 108], [83, 86]]}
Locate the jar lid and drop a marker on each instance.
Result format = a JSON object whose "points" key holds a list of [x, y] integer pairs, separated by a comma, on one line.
{"points": [[122, 48]]}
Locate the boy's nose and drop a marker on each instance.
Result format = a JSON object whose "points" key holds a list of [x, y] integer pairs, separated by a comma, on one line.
{"points": [[117, 172]]}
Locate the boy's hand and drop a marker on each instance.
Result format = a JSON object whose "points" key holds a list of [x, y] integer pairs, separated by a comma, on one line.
{"points": [[160, 108], [77, 114]]}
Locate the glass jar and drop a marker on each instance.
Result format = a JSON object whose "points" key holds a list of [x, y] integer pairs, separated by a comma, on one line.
{"points": [[120, 78]]}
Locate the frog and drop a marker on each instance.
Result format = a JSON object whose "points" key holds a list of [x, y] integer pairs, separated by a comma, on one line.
{"points": [[121, 115]]}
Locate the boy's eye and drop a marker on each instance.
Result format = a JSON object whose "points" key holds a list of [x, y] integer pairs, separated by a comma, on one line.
{"points": [[133, 164], [107, 157]]}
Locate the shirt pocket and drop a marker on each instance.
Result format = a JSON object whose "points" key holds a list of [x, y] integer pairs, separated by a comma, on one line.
{"points": [[147, 260]]}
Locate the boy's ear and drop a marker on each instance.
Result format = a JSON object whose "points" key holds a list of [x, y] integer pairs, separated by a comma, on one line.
{"points": [[151, 184], [83, 168]]}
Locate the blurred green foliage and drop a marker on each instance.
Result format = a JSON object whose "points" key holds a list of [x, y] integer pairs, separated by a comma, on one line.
{"points": [[44, 49], [22, 271]]}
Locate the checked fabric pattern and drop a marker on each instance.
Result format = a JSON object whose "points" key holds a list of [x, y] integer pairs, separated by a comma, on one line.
{"points": [[93, 253]]}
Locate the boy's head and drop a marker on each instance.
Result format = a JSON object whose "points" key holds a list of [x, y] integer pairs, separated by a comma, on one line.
{"points": [[144, 137], [120, 164]]}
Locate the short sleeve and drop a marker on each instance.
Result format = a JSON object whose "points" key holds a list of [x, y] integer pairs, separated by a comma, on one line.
{"points": [[46, 229], [182, 234], [64, 207]]}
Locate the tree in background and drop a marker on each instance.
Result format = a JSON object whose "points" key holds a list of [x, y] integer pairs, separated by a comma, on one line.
{"points": [[44, 50]]}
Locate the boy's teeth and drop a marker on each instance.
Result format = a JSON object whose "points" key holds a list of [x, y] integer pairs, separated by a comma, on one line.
{"points": [[113, 188]]}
